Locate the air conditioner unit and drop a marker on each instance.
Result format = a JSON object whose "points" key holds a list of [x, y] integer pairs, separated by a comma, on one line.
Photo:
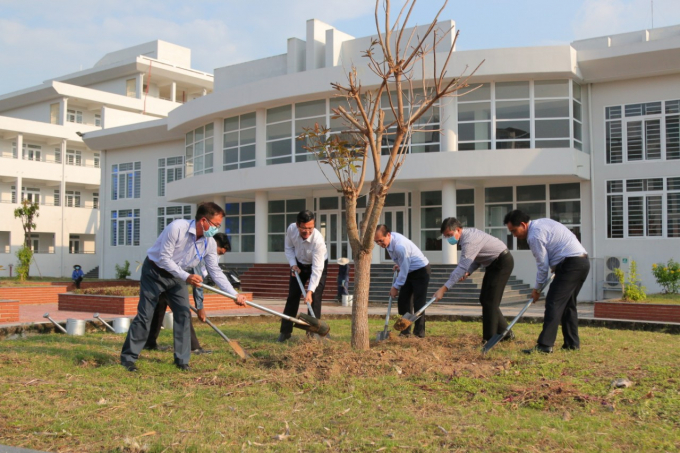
{"points": [[611, 263]]}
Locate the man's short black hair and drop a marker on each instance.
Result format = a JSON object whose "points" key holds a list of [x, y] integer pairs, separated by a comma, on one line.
{"points": [[305, 216], [209, 210], [516, 217], [450, 224], [384, 229], [222, 241]]}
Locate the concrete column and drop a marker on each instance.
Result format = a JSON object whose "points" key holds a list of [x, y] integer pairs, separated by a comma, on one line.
{"points": [[63, 111], [449, 117], [218, 140], [449, 252], [20, 146], [204, 92], [140, 85], [260, 138], [173, 91], [261, 235]]}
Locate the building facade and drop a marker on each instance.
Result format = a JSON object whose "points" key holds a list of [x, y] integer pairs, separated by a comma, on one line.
{"points": [[585, 133], [45, 160]]}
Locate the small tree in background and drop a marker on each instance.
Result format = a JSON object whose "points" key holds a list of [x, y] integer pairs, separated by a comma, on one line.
{"points": [[27, 213], [667, 276], [633, 291], [123, 272], [381, 121]]}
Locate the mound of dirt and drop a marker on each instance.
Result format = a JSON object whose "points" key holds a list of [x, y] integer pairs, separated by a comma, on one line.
{"points": [[452, 356]]}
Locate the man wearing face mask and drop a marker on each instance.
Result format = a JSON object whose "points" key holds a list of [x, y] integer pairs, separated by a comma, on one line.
{"points": [[413, 278], [480, 249], [305, 250], [182, 245]]}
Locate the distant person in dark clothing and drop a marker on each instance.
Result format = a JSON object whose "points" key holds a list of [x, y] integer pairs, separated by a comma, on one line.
{"points": [[223, 246], [343, 278], [77, 275]]}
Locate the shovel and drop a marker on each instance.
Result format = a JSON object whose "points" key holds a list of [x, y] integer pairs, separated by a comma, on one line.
{"points": [[409, 318], [499, 336], [238, 349], [385, 334], [309, 306], [305, 322]]}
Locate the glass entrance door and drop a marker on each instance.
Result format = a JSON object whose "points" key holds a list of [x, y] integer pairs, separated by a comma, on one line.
{"points": [[395, 219], [329, 223]]}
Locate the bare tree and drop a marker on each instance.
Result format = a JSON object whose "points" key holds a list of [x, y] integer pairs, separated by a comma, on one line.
{"points": [[380, 121]]}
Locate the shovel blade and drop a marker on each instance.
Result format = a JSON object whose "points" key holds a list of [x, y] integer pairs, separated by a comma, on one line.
{"points": [[382, 336], [411, 317], [492, 342], [238, 349]]}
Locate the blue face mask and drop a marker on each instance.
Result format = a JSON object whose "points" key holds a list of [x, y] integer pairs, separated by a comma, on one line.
{"points": [[452, 240], [211, 231]]}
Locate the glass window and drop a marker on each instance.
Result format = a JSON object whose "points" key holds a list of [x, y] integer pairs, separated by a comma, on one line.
{"points": [[199, 147], [553, 108], [512, 90], [281, 214], [430, 220], [239, 142], [551, 88], [474, 111]]}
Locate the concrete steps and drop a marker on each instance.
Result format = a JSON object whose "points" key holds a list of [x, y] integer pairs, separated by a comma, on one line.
{"points": [[270, 281]]}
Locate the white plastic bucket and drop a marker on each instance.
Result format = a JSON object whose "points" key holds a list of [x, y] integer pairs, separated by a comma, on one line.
{"points": [[75, 326], [168, 321], [347, 300], [121, 325]]}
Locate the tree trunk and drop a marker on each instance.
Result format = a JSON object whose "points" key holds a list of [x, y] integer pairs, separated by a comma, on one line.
{"points": [[362, 283]]}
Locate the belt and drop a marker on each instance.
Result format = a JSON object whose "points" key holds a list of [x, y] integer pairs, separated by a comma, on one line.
{"points": [[503, 253], [585, 255]]}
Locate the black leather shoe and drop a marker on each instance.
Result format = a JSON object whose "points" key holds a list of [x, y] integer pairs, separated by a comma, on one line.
{"points": [[539, 348], [283, 338], [509, 336], [567, 347], [420, 334], [130, 366], [184, 367], [157, 348], [200, 351]]}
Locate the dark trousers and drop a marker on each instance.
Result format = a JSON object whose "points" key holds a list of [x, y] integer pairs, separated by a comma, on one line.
{"points": [[77, 282], [495, 278], [560, 303], [416, 287], [157, 322], [294, 293], [155, 281]]}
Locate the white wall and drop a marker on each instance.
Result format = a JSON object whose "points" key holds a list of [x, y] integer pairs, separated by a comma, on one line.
{"points": [[115, 86], [35, 112], [645, 251]]}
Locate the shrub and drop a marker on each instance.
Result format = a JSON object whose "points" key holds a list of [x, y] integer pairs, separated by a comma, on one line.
{"points": [[633, 290], [109, 291], [122, 272], [667, 276], [25, 255]]}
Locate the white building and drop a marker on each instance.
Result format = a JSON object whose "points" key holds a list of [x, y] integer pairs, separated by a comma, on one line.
{"points": [[45, 160], [585, 133]]}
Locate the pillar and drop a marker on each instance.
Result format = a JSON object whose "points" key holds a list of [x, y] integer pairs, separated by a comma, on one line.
{"points": [[260, 138], [449, 253], [63, 111], [140, 85], [173, 91], [20, 155], [449, 117], [261, 222]]}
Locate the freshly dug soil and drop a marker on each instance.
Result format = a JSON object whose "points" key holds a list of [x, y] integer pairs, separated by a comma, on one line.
{"points": [[452, 356], [402, 324]]}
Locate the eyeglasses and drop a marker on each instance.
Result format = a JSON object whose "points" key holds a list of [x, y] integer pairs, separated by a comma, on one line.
{"points": [[306, 229], [212, 224]]}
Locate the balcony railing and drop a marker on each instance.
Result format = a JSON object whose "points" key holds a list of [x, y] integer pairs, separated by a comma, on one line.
{"points": [[52, 161], [86, 205]]}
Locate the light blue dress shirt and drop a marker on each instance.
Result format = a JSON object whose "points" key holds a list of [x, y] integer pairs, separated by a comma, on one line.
{"points": [[177, 249], [550, 243], [408, 257]]}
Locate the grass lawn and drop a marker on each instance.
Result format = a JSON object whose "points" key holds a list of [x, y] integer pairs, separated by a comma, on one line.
{"points": [[670, 299], [439, 394]]}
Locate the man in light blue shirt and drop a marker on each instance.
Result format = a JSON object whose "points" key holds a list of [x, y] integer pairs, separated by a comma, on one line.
{"points": [[182, 245], [413, 277], [555, 248]]}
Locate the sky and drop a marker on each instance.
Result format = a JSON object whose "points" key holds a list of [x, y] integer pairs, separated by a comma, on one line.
{"points": [[43, 39]]}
